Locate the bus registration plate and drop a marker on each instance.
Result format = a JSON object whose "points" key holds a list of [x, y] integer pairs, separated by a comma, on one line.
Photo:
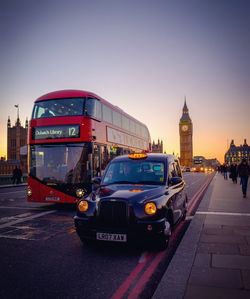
{"points": [[56, 198], [111, 237]]}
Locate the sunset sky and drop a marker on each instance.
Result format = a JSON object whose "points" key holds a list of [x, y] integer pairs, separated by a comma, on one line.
{"points": [[143, 56]]}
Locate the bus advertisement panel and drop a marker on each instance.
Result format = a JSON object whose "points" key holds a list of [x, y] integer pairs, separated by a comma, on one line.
{"points": [[72, 136]]}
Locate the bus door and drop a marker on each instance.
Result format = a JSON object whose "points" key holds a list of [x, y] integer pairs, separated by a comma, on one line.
{"points": [[96, 160], [100, 159]]}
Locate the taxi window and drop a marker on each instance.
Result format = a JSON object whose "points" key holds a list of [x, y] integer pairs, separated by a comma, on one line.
{"points": [[135, 172]]}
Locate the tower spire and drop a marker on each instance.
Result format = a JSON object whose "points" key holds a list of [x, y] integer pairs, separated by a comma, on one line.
{"points": [[18, 123], [8, 123], [185, 115]]}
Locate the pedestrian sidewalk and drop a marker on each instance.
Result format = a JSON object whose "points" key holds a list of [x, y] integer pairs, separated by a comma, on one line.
{"points": [[213, 258]]}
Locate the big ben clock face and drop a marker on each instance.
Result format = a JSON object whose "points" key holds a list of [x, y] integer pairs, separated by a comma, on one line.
{"points": [[184, 128]]}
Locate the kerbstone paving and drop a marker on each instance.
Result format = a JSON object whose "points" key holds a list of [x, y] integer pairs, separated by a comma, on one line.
{"points": [[224, 278], [220, 248], [219, 263], [194, 292], [231, 261]]}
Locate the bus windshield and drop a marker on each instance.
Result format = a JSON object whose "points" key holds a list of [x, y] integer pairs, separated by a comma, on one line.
{"points": [[61, 164], [58, 107], [67, 107]]}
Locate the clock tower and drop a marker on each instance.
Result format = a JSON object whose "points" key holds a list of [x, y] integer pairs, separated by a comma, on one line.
{"points": [[186, 138]]}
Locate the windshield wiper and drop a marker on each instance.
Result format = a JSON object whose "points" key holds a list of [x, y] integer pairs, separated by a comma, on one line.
{"points": [[147, 183]]}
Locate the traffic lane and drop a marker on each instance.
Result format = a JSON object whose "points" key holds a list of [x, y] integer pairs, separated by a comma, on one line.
{"points": [[143, 284], [21, 219], [16, 196], [36, 237], [31, 221], [99, 265], [194, 180], [61, 267]]}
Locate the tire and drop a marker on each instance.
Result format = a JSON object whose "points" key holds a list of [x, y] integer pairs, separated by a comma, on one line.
{"points": [[87, 242], [162, 241], [183, 218]]}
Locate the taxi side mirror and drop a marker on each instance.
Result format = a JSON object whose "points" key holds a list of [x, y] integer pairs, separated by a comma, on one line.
{"points": [[96, 180], [175, 180]]}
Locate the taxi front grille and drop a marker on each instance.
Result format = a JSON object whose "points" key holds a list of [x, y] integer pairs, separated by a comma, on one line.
{"points": [[113, 213]]}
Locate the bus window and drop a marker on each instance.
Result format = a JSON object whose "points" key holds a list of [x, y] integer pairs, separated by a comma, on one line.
{"points": [[125, 123], [117, 119], [93, 108], [107, 114]]}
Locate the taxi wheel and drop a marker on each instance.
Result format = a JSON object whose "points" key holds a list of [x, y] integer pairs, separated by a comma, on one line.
{"points": [[183, 218], [87, 242], [162, 242]]}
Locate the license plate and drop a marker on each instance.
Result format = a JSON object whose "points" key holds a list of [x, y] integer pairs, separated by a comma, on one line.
{"points": [[52, 198], [111, 237]]}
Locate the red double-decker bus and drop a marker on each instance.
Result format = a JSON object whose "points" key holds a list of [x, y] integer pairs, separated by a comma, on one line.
{"points": [[73, 134]]}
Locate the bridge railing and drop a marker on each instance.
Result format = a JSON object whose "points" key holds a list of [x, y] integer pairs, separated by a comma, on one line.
{"points": [[6, 179]]}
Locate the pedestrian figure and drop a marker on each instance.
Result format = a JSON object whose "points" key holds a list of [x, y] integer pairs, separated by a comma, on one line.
{"points": [[233, 172], [244, 171], [19, 175], [14, 175], [224, 170]]}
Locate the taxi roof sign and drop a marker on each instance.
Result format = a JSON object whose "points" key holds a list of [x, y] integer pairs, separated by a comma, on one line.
{"points": [[137, 156]]}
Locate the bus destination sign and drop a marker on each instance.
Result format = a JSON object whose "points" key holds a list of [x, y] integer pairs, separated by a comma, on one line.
{"points": [[54, 132]]}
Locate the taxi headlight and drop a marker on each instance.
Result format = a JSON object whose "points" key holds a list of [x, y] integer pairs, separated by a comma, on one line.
{"points": [[29, 191], [83, 206], [150, 208], [80, 192]]}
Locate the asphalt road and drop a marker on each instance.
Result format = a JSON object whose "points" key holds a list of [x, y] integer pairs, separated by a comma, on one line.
{"points": [[42, 257]]}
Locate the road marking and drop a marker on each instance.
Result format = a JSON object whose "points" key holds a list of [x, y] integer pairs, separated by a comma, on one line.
{"points": [[147, 264], [71, 230], [143, 257], [222, 213], [24, 208], [123, 288], [7, 193], [26, 219], [14, 237]]}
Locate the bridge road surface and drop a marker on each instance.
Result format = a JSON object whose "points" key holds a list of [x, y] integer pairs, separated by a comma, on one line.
{"points": [[42, 257]]}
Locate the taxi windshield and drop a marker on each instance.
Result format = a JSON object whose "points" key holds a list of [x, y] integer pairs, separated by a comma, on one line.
{"points": [[135, 172]]}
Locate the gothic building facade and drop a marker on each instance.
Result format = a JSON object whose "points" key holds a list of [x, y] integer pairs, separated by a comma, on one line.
{"points": [[157, 147], [236, 153], [16, 138]]}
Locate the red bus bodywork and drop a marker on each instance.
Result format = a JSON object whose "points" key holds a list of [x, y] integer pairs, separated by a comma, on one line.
{"points": [[95, 143]]}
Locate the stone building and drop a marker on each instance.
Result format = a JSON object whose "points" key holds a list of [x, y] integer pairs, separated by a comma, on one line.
{"points": [[16, 139], [186, 138], [237, 153], [157, 147]]}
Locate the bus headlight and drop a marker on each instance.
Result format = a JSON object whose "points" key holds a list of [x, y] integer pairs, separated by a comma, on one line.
{"points": [[29, 191], [83, 206], [80, 192], [150, 208]]}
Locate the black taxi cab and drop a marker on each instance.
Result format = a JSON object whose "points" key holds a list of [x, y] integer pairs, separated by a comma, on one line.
{"points": [[140, 197]]}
